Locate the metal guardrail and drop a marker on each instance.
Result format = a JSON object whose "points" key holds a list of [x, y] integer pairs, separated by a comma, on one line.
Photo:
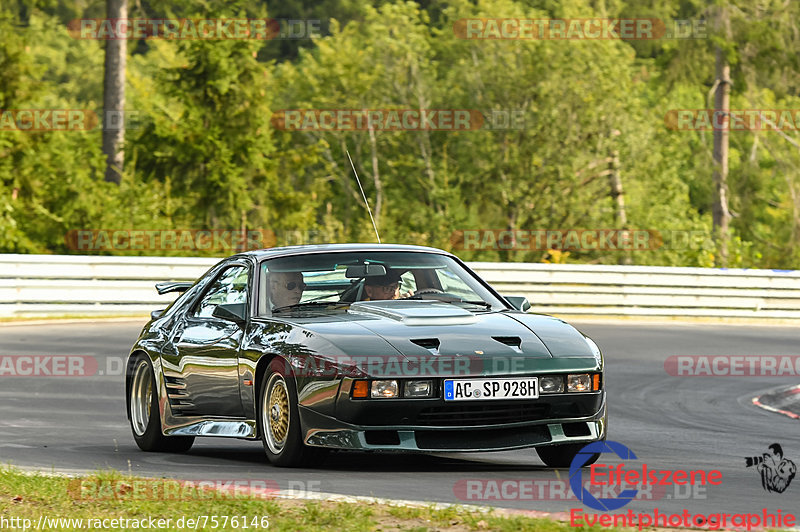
{"points": [[649, 290], [50, 285]]}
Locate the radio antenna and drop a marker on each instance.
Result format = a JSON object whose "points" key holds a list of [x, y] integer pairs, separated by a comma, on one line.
{"points": [[363, 196]]}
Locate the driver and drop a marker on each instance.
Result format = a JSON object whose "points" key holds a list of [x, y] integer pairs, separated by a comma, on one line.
{"points": [[383, 287], [286, 288]]}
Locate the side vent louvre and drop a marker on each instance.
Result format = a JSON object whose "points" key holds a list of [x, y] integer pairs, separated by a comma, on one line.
{"points": [[431, 344], [175, 382], [177, 395], [514, 342]]}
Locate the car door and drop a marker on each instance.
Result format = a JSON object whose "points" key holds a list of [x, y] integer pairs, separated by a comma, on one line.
{"points": [[201, 364]]}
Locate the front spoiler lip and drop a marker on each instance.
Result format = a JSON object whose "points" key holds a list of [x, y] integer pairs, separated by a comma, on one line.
{"points": [[344, 436]]}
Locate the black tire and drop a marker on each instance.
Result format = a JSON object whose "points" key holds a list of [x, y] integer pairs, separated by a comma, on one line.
{"points": [[144, 414], [561, 456], [279, 421]]}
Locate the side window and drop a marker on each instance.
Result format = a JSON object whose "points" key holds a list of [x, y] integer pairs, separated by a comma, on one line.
{"points": [[230, 287]]}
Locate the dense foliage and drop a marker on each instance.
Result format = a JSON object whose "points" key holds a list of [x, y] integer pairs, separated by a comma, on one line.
{"points": [[204, 150]]}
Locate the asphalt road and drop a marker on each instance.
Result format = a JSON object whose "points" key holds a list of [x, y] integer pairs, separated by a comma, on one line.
{"points": [[78, 423]]}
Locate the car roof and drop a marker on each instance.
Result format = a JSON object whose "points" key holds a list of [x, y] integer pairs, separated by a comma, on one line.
{"points": [[287, 251]]}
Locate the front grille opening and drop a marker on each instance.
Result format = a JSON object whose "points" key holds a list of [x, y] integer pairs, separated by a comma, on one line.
{"points": [[465, 415], [572, 430], [482, 439], [382, 437]]}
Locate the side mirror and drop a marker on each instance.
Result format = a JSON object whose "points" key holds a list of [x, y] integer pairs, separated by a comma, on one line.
{"points": [[167, 287], [520, 303], [234, 312]]}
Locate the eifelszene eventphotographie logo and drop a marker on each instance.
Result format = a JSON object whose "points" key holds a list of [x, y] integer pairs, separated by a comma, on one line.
{"points": [[627, 481]]}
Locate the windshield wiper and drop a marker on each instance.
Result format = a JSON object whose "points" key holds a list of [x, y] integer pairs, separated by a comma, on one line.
{"points": [[306, 304], [476, 302]]}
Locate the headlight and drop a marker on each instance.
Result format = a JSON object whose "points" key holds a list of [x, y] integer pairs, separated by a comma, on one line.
{"points": [[418, 389], [384, 389], [582, 382], [551, 384]]}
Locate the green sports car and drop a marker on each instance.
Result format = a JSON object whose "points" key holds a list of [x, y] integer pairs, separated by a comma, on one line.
{"points": [[360, 347]]}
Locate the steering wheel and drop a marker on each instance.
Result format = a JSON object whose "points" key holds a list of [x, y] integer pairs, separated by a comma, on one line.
{"points": [[428, 291]]}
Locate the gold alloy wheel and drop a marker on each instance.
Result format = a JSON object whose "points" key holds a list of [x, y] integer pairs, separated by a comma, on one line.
{"points": [[276, 414]]}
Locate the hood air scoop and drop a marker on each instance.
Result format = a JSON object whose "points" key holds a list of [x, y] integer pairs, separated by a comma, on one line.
{"points": [[514, 342], [431, 344], [413, 312]]}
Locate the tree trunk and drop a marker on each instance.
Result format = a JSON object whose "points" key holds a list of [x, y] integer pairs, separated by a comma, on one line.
{"points": [[721, 215], [114, 96], [376, 178], [615, 182]]}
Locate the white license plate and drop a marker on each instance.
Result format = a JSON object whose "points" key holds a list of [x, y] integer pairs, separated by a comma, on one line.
{"points": [[487, 389]]}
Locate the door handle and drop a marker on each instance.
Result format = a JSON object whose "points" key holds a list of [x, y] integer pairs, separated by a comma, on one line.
{"points": [[176, 338]]}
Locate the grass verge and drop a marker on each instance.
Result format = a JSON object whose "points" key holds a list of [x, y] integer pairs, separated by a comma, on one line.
{"points": [[111, 495]]}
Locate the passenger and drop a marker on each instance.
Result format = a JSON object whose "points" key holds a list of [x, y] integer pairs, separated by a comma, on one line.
{"points": [[286, 288]]}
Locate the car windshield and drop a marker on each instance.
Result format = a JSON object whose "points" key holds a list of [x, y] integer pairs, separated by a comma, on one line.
{"points": [[330, 279]]}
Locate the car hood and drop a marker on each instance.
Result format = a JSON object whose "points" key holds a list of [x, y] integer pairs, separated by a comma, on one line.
{"points": [[461, 331], [486, 342]]}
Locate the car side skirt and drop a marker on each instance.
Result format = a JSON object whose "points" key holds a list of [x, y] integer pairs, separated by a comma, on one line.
{"points": [[205, 427]]}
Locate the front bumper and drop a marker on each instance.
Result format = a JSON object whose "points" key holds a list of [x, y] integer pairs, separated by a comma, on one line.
{"points": [[324, 431]]}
